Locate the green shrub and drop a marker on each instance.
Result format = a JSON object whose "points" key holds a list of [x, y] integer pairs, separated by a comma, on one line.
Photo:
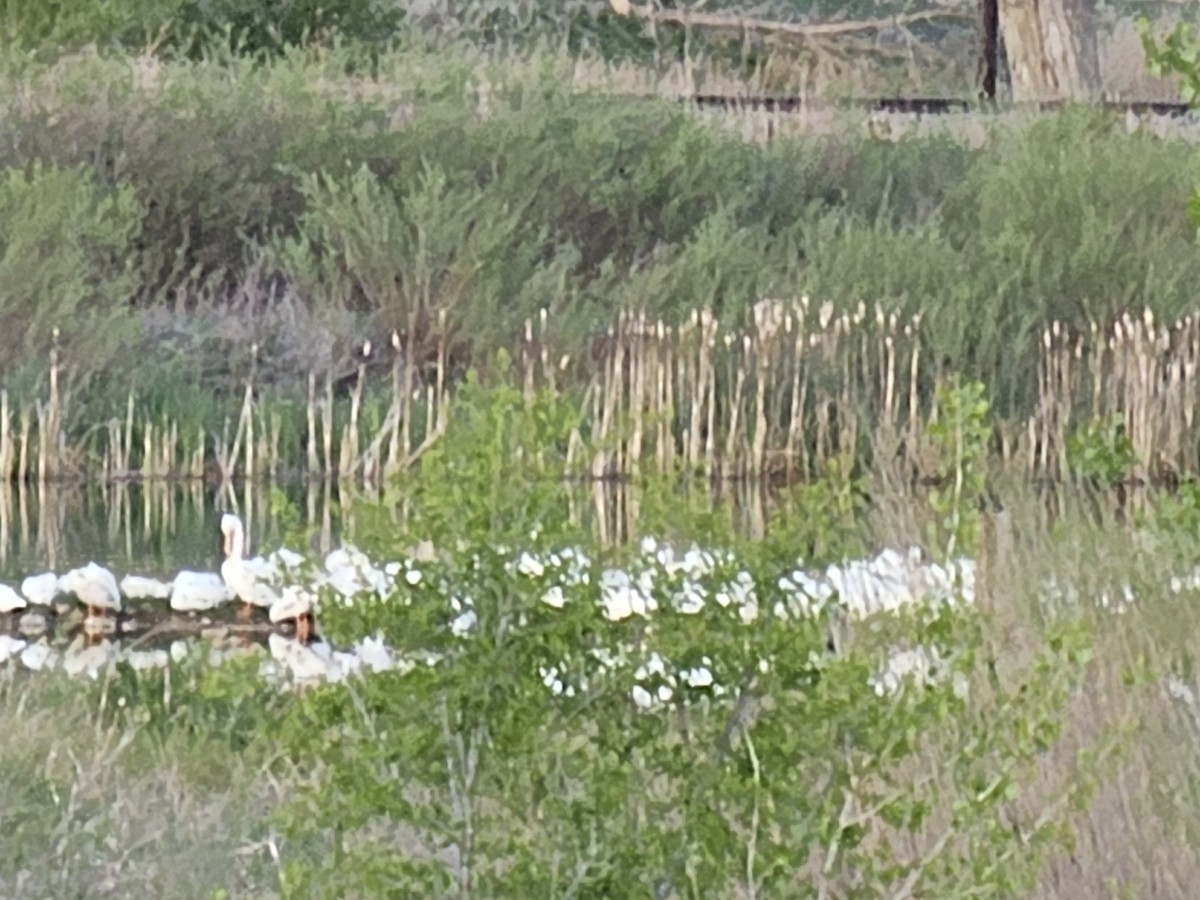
{"points": [[192, 27], [67, 266]]}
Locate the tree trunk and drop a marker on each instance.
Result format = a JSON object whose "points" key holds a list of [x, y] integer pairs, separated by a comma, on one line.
{"points": [[1051, 49]]}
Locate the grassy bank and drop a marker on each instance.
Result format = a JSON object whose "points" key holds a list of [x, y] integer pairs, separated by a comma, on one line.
{"points": [[178, 230]]}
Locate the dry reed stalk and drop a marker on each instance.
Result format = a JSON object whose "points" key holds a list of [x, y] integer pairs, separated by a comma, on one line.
{"points": [[670, 367], [688, 358], [171, 452], [147, 510], [738, 371], [1043, 412], [622, 392], [527, 356], [396, 412], [856, 386], [327, 424], [7, 457], [1059, 399], [248, 512], [609, 380], [887, 365], [149, 446], [914, 390], [310, 411], [709, 336], [23, 465], [768, 322], [797, 447], [5, 519], [43, 450], [637, 389], [126, 461], [654, 394], [662, 362], [595, 390], [349, 448], [326, 533], [442, 396], [221, 453], [50, 426], [544, 352], [409, 396], [197, 466], [691, 390], [248, 412]]}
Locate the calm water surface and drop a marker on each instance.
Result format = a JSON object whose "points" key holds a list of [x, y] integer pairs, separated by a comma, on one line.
{"points": [[148, 529], [157, 529]]}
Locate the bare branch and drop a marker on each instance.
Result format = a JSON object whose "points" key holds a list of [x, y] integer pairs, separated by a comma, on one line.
{"points": [[719, 22]]}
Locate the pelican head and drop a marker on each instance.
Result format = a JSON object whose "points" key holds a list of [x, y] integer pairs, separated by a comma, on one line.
{"points": [[231, 528]]}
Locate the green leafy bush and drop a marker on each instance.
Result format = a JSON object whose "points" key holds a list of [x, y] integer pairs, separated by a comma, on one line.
{"points": [[521, 762], [544, 746], [1101, 451], [66, 267], [192, 27], [961, 434]]}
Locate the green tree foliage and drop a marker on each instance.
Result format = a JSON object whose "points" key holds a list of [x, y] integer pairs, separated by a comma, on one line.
{"points": [[67, 266]]}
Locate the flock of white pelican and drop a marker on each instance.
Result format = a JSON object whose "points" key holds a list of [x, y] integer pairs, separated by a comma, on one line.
{"points": [[272, 584], [286, 585]]}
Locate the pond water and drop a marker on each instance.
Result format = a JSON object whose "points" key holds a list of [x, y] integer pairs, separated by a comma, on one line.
{"points": [[153, 529], [158, 528]]}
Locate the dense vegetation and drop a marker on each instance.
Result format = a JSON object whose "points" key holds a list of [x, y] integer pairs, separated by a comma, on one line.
{"points": [[176, 212], [471, 778]]}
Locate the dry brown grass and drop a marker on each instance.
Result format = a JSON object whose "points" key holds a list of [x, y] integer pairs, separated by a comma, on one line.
{"points": [[88, 810]]}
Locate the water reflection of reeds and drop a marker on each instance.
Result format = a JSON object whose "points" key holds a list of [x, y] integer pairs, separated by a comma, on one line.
{"points": [[160, 527]]}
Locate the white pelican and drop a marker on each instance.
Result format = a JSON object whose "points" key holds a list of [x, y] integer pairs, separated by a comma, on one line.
{"points": [[198, 591], [296, 603], [95, 587], [41, 590], [301, 661], [237, 576], [138, 587], [10, 600]]}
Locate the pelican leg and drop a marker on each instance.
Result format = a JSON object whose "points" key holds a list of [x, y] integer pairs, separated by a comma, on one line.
{"points": [[90, 635], [243, 614], [302, 629]]}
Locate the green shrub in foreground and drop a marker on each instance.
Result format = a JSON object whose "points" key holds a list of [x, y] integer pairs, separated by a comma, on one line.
{"points": [[795, 775], [523, 762]]}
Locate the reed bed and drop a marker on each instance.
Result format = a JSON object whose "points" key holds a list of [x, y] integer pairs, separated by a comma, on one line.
{"points": [[794, 388]]}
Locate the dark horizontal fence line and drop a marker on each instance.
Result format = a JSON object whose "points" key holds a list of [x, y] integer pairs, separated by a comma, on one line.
{"points": [[917, 105]]}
